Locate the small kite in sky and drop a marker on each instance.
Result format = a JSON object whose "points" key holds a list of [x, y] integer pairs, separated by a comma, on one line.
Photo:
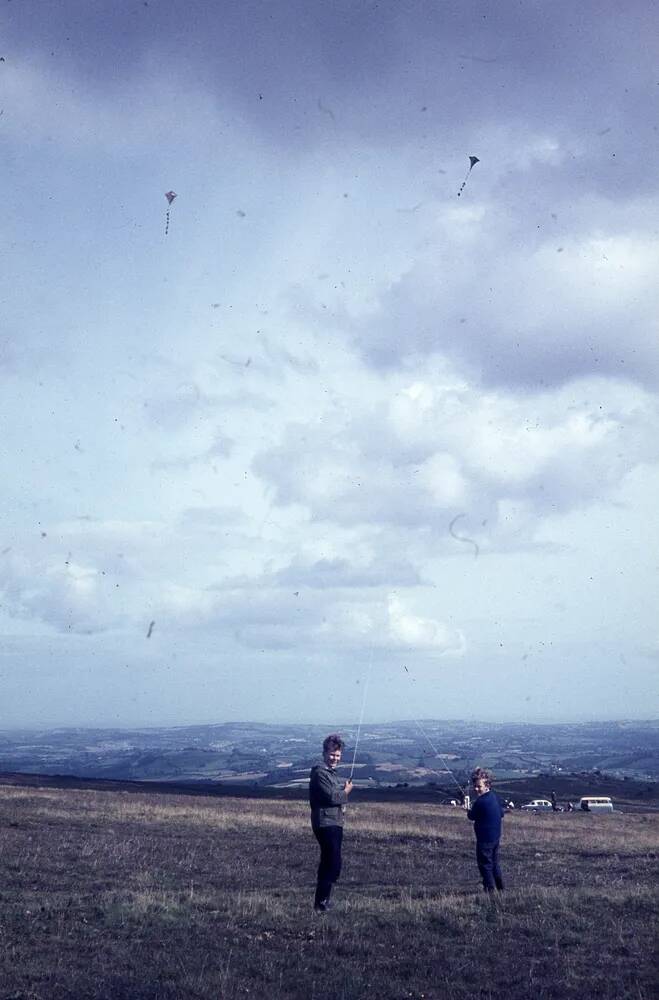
{"points": [[473, 160], [169, 195]]}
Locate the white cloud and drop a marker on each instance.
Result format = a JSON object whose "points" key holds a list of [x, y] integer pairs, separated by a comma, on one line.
{"points": [[528, 311], [415, 632], [443, 479], [70, 596], [448, 448]]}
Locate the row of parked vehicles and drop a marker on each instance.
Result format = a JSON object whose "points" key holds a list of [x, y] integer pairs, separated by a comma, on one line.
{"points": [[589, 803]]}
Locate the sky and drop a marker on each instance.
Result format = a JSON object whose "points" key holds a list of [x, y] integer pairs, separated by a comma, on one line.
{"points": [[348, 440]]}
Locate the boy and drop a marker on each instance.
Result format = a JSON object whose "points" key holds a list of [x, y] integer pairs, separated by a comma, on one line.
{"points": [[486, 815]]}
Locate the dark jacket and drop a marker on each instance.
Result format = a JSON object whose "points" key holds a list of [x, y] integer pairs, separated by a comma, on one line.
{"points": [[486, 815], [326, 797]]}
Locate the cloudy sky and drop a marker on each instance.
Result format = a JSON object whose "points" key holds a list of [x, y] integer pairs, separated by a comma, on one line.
{"points": [[339, 429]]}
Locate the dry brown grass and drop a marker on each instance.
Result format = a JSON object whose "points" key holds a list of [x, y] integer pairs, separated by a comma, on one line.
{"points": [[111, 896]]}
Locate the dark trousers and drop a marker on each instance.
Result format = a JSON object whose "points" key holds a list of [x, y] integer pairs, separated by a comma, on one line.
{"points": [[487, 857], [330, 839]]}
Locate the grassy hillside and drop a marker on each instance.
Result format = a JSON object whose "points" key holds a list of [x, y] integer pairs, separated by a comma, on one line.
{"points": [[119, 896]]}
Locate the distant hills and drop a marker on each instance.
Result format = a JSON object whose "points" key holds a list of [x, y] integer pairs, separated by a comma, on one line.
{"points": [[389, 755]]}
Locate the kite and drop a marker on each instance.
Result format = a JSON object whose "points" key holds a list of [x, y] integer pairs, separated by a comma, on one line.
{"points": [[473, 160], [169, 195]]}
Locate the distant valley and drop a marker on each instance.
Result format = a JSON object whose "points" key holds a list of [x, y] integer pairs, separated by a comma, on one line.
{"points": [[389, 755]]}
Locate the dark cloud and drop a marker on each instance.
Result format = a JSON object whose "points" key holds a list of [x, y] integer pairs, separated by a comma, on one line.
{"points": [[385, 71]]}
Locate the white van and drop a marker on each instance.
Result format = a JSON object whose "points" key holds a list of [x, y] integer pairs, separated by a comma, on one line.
{"points": [[596, 803]]}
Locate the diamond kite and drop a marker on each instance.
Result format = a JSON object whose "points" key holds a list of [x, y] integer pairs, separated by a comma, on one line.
{"points": [[473, 160], [169, 195]]}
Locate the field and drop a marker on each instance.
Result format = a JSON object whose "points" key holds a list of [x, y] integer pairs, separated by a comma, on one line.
{"points": [[124, 896]]}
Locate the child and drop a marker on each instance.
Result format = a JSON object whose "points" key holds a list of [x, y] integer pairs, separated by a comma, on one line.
{"points": [[486, 815]]}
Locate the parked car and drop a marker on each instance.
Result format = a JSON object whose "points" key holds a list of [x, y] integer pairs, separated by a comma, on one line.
{"points": [[596, 803], [539, 805]]}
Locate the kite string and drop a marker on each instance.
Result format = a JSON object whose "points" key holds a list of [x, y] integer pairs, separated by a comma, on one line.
{"points": [[361, 714], [437, 753]]}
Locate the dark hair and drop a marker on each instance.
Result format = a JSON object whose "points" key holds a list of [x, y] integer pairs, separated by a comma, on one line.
{"points": [[332, 742], [480, 772]]}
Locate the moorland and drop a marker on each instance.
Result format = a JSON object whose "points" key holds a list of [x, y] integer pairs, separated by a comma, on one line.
{"points": [[118, 895]]}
